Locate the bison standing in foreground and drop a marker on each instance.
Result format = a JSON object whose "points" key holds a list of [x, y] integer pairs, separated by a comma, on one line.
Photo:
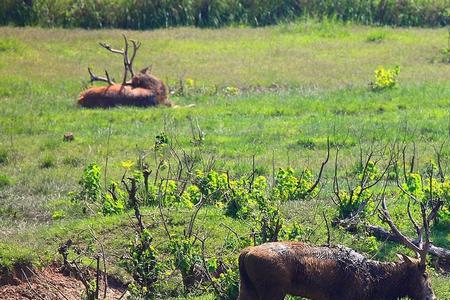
{"points": [[273, 270]]}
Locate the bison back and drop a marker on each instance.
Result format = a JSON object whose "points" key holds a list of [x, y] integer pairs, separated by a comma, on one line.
{"points": [[121, 95]]}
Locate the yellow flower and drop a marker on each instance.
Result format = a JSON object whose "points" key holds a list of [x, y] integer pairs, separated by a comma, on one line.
{"points": [[190, 82], [127, 164]]}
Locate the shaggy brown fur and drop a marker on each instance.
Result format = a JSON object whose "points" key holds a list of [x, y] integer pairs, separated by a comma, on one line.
{"points": [[144, 90], [273, 270]]}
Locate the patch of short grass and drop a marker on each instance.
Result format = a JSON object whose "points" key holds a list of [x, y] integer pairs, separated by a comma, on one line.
{"points": [[4, 156], [5, 181], [47, 161], [377, 36], [12, 255]]}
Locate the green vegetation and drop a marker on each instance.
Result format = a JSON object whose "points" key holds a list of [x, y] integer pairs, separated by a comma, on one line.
{"points": [[385, 78], [267, 100], [4, 181], [157, 14]]}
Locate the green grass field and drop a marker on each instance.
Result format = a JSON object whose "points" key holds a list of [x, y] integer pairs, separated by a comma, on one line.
{"points": [[297, 84]]}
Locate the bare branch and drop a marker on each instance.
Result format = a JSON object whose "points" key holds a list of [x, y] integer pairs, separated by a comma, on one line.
{"points": [[328, 229], [438, 153], [30, 286], [413, 221], [194, 216], [403, 239], [413, 158], [321, 168], [335, 179]]}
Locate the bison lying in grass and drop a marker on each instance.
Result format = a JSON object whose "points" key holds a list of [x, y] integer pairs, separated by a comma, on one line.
{"points": [[143, 89]]}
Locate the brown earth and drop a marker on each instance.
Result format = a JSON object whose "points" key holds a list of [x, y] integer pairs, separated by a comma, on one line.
{"points": [[49, 284]]}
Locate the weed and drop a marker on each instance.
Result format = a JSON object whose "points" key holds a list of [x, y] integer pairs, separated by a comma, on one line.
{"points": [[11, 45], [47, 162], [141, 262], [89, 185], [4, 155], [58, 215], [229, 284], [72, 161], [114, 200], [231, 91], [446, 51], [385, 78], [5, 181], [187, 260], [376, 36], [292, 187]]}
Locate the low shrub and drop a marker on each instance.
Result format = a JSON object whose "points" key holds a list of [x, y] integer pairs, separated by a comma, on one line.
{"points": [[89, 183], [47, 162], [141, 263], [385, 78]]}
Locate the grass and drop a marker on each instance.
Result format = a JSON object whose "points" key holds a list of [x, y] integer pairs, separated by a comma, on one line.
{"points": [[297, 84]]}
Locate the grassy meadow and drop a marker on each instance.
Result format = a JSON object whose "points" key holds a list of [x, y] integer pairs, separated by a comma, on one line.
{"points": [[273, 93]]}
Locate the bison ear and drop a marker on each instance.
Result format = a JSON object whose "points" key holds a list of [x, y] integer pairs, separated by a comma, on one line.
{"points": [[144, 70]]}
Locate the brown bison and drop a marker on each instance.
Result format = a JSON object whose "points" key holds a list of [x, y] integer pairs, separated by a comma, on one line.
{"points": [[273, 270], [143, 89]]}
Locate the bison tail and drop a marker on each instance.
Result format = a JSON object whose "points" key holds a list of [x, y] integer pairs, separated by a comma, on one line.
{"points": [[247, 290]]}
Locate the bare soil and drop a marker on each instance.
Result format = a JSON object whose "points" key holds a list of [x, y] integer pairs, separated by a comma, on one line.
{"points": [[49, 284]]}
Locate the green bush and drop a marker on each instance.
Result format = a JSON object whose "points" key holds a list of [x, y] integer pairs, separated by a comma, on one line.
{"points": [[114, 200], [212, 185], [167, 13], [186, 259], [89, 184], [427, 189], [350, 203], [229, 284], [385, 78], [291, 187], [142, 264]]}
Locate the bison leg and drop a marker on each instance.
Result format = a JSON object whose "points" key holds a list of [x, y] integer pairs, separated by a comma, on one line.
{"points": [[247, 294], [274, 296]]}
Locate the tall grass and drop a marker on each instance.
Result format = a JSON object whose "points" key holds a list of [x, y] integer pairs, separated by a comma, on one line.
{"points": [[147, 14]]}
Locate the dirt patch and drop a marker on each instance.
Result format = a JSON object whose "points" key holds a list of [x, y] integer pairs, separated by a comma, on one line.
{"points": [[50, 284]]}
